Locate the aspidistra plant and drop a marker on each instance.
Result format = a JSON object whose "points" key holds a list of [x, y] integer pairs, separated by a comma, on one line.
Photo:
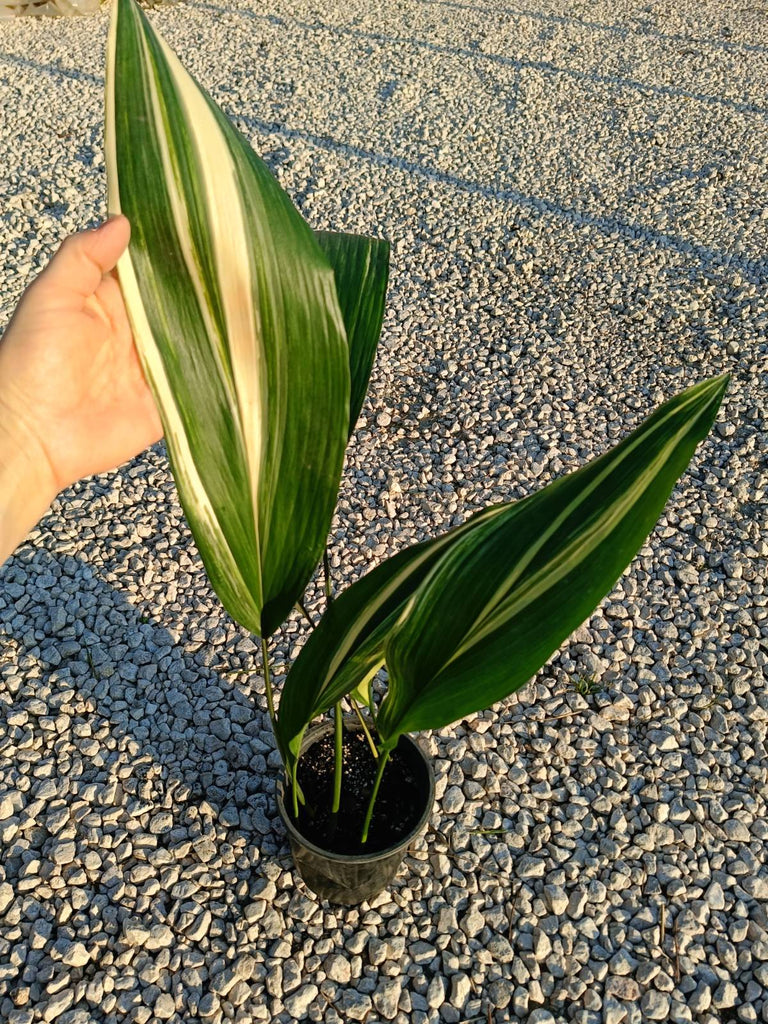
{"points": [[257, 337]]}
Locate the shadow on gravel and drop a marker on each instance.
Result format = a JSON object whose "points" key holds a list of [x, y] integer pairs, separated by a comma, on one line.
{"points": [[711, 260], [646, 89], [112, 696], [642, 27], [56, 70]]}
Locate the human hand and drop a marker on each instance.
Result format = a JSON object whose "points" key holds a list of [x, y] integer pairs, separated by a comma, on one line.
{"points": [[73, 398], [71, 386]]}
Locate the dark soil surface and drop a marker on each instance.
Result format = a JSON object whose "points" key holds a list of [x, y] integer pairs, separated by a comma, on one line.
{"points": [[398, 806]]}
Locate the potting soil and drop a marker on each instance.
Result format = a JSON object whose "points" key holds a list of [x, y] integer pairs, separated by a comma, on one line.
{"points": [[398, 805]]}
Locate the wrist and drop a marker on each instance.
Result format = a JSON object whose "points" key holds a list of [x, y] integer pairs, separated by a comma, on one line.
{"points": [[27, 486]]}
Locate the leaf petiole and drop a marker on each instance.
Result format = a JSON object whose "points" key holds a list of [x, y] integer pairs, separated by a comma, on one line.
{"points": [[364, 727], [268, 680], [338, 738], [327, 575], [301, 607], [383, 758]]}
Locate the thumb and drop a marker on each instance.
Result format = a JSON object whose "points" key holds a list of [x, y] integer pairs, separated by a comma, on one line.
{"points": [[83, 259]]}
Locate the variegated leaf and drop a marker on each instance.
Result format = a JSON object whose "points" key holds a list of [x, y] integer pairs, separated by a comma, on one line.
{"points": [[235, 315], [493, 561], [503, 598], [361, 268]]}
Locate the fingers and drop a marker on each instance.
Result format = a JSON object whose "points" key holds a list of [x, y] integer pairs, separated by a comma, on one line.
{"points": [[83, 259]]}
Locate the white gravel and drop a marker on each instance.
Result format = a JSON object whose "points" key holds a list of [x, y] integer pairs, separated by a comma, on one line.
{"points": [[576, 196]]}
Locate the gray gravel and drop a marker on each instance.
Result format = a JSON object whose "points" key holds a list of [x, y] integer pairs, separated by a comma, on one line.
{"points": [[576, 196]]}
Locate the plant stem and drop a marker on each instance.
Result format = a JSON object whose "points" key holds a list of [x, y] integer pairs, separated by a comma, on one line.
{"points": [[327, 572], [268, 680], [337, 739], [295, 791], [300, 606], [383, 758], [365, 729]]}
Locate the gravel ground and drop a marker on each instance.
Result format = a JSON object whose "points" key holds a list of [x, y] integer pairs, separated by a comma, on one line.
{"points": [[576, 196]]}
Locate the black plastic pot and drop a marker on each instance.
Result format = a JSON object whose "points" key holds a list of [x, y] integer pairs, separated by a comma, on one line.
{"points": [[349, 879]]}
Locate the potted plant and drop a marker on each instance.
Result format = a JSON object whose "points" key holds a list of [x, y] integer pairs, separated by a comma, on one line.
{"points": [[257, 337]]}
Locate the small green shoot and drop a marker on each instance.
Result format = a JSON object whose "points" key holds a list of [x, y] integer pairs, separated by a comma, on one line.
{"points": [[586, 686]]}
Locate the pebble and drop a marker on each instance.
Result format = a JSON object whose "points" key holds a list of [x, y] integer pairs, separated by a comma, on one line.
{"points": [[472, 923], [541, 1016], [556, 899], [9, 804], [623, 987], [160, 936], [663, 739], [209, 1005], [701, 998], [725, 996], [500, 949], [453, 800], [75, 954], [298, 1003], [530, 867], [56, 1005], [6, 896], [354, 1005], [164, 1006], [63, 852], [613, 1011], [623, 963], [200, 926], [715, 896], [460, 990], [542, 946], [655, 1005], [160, 823], [386, 998]]}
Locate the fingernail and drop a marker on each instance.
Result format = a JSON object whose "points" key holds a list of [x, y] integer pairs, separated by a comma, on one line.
{"points": [[110, 218]]}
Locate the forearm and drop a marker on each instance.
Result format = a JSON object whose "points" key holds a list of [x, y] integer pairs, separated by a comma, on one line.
{"points": [[26, 489]]}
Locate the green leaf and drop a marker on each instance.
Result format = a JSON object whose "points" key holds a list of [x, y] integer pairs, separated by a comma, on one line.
{"points": [[503, 598], [346, 649], [361, 266], [236, 319], [506, 553], [363, 694]]}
